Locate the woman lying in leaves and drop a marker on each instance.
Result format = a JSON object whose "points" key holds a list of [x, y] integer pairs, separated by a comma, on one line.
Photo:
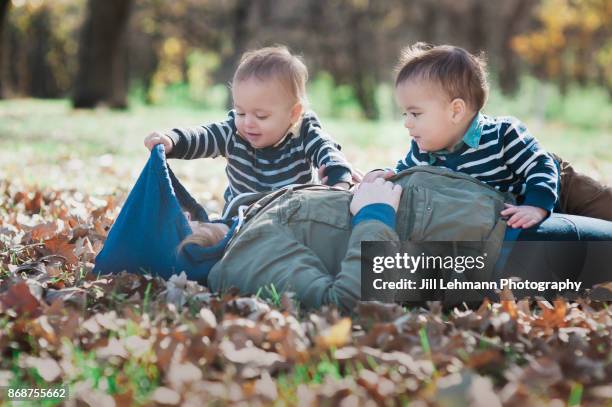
{"points": [[307, 239]]}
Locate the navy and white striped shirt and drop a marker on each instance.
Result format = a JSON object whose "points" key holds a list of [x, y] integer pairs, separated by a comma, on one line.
{"points": [[250, 169], [500, 152]]}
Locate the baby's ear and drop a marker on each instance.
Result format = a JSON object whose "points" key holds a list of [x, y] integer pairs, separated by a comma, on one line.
{"points": [[296, 112], [459, 109]]}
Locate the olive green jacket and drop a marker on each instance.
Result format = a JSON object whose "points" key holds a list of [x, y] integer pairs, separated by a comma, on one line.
{"points": [[300, 238]]}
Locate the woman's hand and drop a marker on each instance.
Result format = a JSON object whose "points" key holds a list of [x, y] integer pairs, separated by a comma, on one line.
{"points": [[377, 174], [379, 191], [156, 138], [357, 175]]}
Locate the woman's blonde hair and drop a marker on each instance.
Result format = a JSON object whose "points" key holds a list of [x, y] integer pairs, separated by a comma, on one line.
{"points": [[207, 235], [275, 63]]}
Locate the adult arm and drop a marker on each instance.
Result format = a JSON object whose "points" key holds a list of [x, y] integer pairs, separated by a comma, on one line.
{"points": [[374, 206], [271, 254]]}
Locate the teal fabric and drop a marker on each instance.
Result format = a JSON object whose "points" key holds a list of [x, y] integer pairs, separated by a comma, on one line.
{"points": [[471, 138], [377, 211], [151, 225], [474, 132]]}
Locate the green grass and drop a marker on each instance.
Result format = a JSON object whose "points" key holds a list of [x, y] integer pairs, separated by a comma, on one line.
{"points": [[313, 373], [575, 396], [424, 341], [46, 142]]}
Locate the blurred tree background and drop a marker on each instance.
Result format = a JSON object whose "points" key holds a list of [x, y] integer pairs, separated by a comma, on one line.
{"points": [[112, 52], [83, 81]]}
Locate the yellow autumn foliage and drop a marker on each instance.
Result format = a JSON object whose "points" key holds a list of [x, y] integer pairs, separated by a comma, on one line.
{"points": [[574, 38]]}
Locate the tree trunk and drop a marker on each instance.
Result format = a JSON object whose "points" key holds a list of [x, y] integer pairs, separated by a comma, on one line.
{"points": [[240, 37], [4, 8], [365, 90], [428, 26], [143, 59], [363, 79], [102, 75], [41, 81], [509, 67], [476, 30]]}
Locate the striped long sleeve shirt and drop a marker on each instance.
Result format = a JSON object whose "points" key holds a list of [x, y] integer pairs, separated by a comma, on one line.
{"points": [[250, 169], [500, 152]]}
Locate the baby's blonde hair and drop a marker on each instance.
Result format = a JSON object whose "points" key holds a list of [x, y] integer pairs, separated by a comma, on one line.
{"points": [[275, 63], [207, 235]]}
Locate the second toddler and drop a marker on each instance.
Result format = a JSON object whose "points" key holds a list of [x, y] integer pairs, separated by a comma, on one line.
{"points": [[441, 91]]}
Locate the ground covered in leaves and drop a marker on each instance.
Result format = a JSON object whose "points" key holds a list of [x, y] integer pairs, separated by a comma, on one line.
{"points": [[130, 340]]}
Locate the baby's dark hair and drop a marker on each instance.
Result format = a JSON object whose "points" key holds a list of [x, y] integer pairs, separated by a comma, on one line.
{"points": [[459, 73]]}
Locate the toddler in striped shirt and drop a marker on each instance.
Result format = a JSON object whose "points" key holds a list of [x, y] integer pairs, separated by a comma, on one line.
{"points": [[268, 139], [441, 91]]}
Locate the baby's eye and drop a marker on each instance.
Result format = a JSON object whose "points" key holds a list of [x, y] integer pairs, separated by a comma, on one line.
{"points": [[415, 114], [239, 114], [262, 117]]}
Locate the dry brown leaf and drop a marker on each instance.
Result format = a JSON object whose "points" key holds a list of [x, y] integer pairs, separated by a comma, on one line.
{"points": [[336, 336], [60, 245], [45, 231], [552, 316], [33, 205], [20, 300]]}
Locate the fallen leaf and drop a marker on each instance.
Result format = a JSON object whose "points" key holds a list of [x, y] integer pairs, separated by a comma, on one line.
{"points": [[47, 368], [45, 231], [60, 245], [19, 299], [336, 336]]}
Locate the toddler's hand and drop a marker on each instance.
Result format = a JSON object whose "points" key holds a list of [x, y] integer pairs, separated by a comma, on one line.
{"points": [[379, 191], [321, 175], [156, 138], [523, 216], [356, 176], [373, 175]]}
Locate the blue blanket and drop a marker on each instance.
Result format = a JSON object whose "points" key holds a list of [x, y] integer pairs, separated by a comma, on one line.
{"points": [[152, 223]]}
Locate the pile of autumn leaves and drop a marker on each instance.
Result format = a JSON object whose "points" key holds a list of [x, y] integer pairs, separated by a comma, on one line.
{"points": [[128, 339]]}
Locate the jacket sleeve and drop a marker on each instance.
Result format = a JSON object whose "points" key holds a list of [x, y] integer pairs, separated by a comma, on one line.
{"points": [[524, 156], [322, 150], [202, 141], [315, 286], [345, 289], [282, 260]]}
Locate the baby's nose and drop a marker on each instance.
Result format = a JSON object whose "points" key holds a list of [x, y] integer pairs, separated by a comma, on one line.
{"points": [[249, 121]]}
